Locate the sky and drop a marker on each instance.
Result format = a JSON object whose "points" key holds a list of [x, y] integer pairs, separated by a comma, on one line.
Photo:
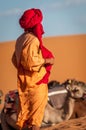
{"points": [[60, 17]]}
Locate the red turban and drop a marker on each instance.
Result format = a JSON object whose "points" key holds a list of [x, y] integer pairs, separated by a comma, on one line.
{"points": [[30, 18]]}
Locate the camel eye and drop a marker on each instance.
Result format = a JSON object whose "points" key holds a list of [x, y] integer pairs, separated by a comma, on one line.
{"points": [[75, 90]]}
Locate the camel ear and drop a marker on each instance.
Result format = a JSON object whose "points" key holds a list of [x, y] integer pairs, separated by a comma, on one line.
{"points": [[69, 81], [68, 87]]}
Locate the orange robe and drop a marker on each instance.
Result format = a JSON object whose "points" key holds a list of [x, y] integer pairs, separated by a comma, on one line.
{"points": [[29, 62]]}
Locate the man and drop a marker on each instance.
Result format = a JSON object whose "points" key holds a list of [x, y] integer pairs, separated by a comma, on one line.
{"points": [[33, 62]]}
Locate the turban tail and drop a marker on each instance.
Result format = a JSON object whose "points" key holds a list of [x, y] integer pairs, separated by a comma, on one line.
{"points": [[46, 54], [31, 21]]}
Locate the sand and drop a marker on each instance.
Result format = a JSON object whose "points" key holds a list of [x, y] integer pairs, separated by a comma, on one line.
{"points": [[70, 60], [74, 124]]}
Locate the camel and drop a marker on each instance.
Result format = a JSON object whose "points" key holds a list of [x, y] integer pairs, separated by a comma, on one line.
{"points": [[75, 91], [80, 104], [54, 114]]}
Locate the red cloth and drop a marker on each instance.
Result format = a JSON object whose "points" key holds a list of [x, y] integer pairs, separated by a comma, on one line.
{"points": [[31, 21], [30, 18], [46, 54], [38, 31]]}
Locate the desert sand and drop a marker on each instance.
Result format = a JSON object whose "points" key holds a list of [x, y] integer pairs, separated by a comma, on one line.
{"points": [[70, 62], [74, 124]]}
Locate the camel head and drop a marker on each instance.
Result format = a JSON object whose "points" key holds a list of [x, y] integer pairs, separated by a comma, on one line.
{"points": [[76, 89]]}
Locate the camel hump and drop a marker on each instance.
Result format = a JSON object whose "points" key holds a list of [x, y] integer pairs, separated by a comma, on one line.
{"points": [[53, 84]]}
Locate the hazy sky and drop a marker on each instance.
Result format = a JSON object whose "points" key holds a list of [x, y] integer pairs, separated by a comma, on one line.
{"points": [[61, 17]]}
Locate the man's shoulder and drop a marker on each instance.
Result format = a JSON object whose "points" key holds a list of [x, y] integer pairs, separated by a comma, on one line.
{"points": [[27, 35], [27, 39]]}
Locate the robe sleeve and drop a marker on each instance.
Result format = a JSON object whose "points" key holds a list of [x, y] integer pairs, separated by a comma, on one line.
{"points": [[32, 58]]}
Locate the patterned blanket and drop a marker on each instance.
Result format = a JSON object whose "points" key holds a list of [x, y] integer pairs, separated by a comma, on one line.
{"points": [[11, 101]]}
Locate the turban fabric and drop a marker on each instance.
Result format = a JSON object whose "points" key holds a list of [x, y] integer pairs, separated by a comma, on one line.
{"points": [[30, 18], [31, 22]]}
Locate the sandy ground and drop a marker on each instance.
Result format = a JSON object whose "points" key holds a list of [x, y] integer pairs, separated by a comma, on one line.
{"points": [[73, 124], [70, 61]]}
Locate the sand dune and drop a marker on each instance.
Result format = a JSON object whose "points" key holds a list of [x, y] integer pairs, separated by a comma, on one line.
{"points": [[74, 124], [70, 60]]}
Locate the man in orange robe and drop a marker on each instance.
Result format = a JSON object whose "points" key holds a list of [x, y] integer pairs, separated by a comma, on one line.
{"points": [[33, 62]]}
